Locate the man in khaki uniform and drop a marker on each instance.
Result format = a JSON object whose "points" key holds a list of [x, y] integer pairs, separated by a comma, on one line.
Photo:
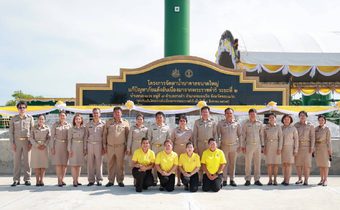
{"points": [[204, 129], [158, 133], [303, 158], [252, 145], [94, 148], [116, 132], [19, 132], [229, 133]]}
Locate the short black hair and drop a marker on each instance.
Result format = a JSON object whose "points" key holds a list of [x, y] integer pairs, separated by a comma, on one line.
{"points": [[211, 139], [205, 107], [287, 115], [139, 115], [62, 112], [144, 139], [96, 109], [160, 113], [117, 108], [183, 117], [322, 116], [303, 112], [168, 141], [227, 109], [252, 110], [22, 103], [189, 143], [271, 114]]}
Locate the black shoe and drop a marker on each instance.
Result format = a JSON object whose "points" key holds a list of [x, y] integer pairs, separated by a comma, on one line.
{"points": [[138, 190], [64, 183], [305, 183], [37, 184], [121, 184], [27, 183], [161, 189], [247, 183], [154, 184], [99, 184], [298, 182], [275, 183], [285, 184], [15, 184], [90, 184], [269, 183], [78, 183], [109, 184], [224, 183], [60, 185], [42, 184], [75, 185], [186, 187], [258, 183], [232, 183]]}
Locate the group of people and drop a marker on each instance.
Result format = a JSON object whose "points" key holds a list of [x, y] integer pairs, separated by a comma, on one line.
{"points": [[205, 155]]}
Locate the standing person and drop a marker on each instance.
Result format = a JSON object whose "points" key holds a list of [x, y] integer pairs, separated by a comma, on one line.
{"points": [[229, 132], [157, 134], [59, 152], [303, 159], [290, 147], [115, 137], [166, 165], [39, 138], [323, 151], [189, 164], [76, 147], [180, 137], [143, 160], [204, 129], [20, 128], [94, 148], [272, 147], [136, 134], [252, 145], [213, 163]]}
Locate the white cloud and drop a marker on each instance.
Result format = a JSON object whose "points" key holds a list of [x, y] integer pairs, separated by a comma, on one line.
{"points": [[46, 47]]}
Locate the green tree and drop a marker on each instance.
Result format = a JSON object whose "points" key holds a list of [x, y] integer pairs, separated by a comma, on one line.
{"points": [[19, 95]]}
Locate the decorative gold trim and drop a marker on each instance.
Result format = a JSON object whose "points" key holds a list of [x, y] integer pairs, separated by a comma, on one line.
{"points": [[257, 85]]}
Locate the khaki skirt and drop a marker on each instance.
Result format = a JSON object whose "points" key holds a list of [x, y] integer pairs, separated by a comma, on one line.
{"points": [[303, 157], [287, 154], [61, 155], [39, 158], [321, 156]]}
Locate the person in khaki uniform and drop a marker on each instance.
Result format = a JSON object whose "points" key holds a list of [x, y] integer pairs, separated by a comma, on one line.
{"points": [[252, 145], [157, 134], [272, 147], [303, 159], [94, 148], [20, 128], [229, 132], [180, 137], [39, 138], [59, 152], [116, 132], [136, 134], [290, 147], [205, 128], [323, 149], [76, 147]]}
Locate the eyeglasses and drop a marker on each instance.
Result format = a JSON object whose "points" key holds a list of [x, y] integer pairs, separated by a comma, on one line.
{"points": [[21, 107]]}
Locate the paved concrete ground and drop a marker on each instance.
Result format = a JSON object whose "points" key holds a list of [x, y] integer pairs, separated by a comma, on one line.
{"points": [[267, 197]]}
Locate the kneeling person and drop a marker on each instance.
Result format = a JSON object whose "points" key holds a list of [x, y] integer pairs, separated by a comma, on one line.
{"points": [[166, 166], [213, 162], [189, 165], [143, 160]]}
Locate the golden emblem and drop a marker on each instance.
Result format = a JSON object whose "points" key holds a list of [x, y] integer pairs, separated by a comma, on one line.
{"points": [[175, 73], [189, 73]]}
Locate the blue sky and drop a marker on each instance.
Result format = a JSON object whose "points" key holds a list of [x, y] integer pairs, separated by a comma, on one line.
{"points": [[46, 47]]}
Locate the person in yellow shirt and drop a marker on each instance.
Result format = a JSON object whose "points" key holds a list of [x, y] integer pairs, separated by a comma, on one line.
{"points": [[213, 162], [166, 166], [143, 160], [189, 165]]}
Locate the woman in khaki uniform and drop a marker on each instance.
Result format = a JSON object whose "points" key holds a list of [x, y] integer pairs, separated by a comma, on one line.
{"points": [[272, 147], [290, 147], [136, 134], [303, 159], [76, 147], [39, 138], [180, 137], [59, 146], [323, 149]]}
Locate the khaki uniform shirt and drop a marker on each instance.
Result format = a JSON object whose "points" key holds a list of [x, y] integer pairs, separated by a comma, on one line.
{"points": [[136, 134], [158, 134], [116, 133], [40, 136], [229, 133], [95, 132], [290, 137], [273, 134], [306, 134], [252, 133], [203, 131], [20, 127]]}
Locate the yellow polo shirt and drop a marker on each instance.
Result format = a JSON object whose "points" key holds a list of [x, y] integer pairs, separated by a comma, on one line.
{"points": [[143, 158], [189, 163], [213, 160], [166, 161]]}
